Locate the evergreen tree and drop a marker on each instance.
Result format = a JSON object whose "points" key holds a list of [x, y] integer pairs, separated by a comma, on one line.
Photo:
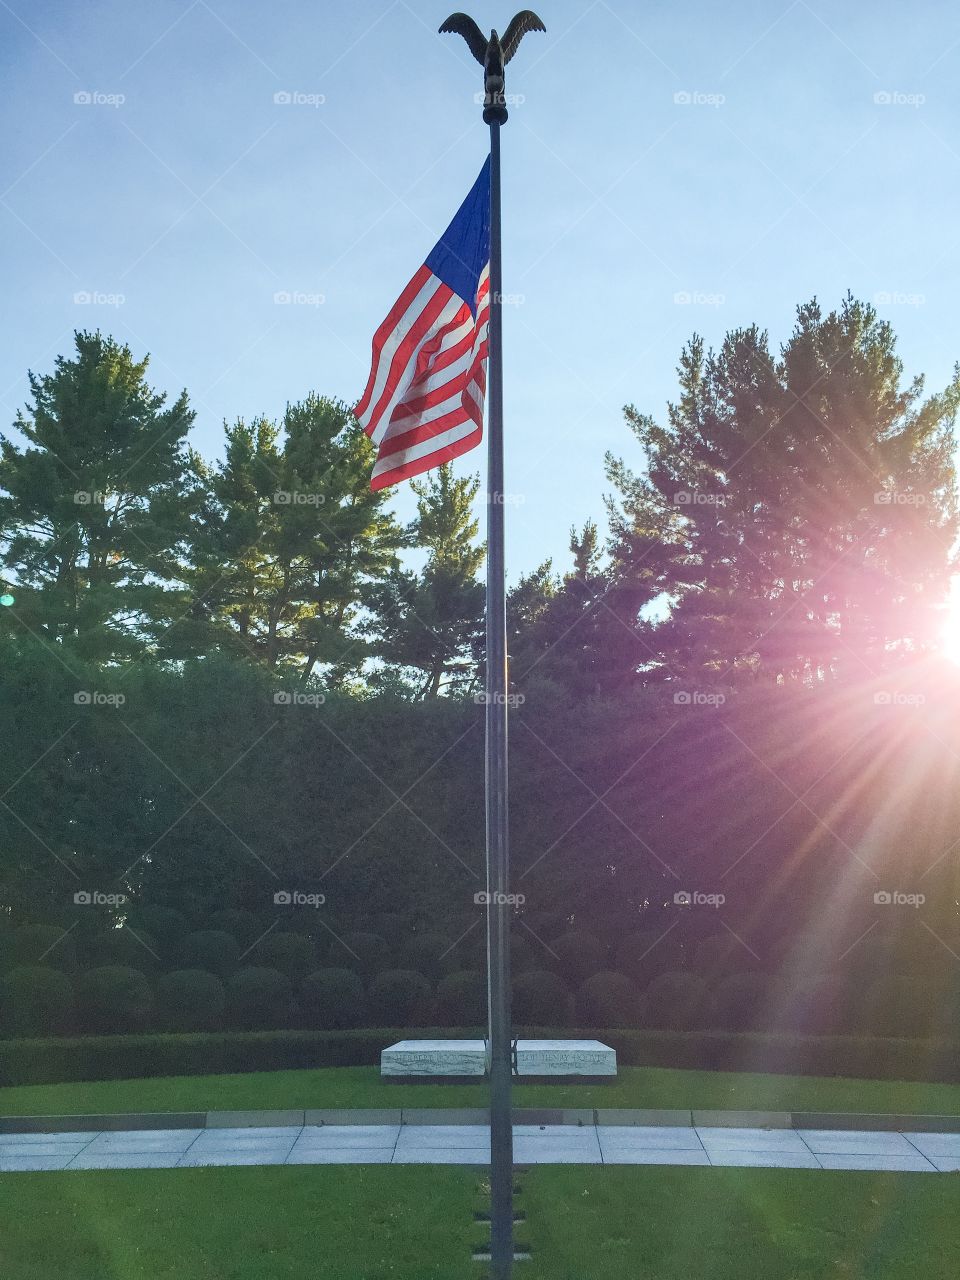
{"points": [[95, 507], [797, 513], [432, 621]]}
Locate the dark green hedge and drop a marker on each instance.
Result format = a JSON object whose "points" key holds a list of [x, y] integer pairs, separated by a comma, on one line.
{"points": [[136, 1056]]}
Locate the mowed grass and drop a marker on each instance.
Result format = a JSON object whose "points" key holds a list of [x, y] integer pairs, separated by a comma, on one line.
{"points": [[362, 1087], [416, 1223]]}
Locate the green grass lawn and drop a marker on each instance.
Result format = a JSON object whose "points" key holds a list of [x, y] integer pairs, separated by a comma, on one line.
{"points": [[362, 1087], [415, 1223]]}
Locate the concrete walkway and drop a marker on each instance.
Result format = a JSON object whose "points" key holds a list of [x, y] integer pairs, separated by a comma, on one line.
{"points": [[780, 1148]]}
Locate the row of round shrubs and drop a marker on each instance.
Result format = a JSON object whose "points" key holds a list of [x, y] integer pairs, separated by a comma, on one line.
{"points": [[297, 947], [38, 1000]]}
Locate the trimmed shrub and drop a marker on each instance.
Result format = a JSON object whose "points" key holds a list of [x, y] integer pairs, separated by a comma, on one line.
{"points": [[674, 1000], [259, 997], [462, 999], [400, 997], [130, 947], [291, 953], [114, 998], [165, 924], [332, 999], [189, 1000], [739, 1003], [540, 999], [646, 954], [897, 1006], [577, 956], [240, 924], [367, 952], [46, 945], [422, 952], [49, 1061], [35, 1001], [721, 955], [210, 949], [820, 1006], [608, 1000]]}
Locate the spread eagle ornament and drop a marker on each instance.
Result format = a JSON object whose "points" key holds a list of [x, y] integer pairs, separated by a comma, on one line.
{"points": [[493, 54]]}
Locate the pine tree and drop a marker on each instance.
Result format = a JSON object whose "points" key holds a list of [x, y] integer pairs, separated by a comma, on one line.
{"points": [[288, 543], [95, 507], [797, 513], [431, 622]]}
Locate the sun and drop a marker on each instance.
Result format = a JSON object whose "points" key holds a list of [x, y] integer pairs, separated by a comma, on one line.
{"points": [[950, 632]]}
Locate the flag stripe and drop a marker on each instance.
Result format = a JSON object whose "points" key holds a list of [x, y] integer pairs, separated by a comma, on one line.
{"points": [[423, 402]]}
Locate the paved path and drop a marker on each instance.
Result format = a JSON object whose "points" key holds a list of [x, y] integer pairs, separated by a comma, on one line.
{"points": [[470, 1144]]}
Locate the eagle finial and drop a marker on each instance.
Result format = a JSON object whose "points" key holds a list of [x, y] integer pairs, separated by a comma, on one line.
{"points": [[493, 53]]}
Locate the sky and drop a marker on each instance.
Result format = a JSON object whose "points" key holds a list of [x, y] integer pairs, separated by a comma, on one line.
{"points": [[173, 170]]}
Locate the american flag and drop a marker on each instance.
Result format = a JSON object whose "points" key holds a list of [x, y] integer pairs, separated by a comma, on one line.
{"points": [[423, 403]]}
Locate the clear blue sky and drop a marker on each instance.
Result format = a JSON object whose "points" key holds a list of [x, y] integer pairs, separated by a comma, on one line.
{"points": [[198, 198]]}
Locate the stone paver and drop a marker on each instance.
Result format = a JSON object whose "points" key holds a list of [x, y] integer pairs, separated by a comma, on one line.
{"points": [[386, 1143]]}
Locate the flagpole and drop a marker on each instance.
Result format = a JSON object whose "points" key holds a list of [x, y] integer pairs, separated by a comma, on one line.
{"points": [[498, 849]]}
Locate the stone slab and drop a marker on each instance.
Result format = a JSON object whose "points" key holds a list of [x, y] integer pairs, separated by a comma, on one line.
{"points": [[644, 1117], [445, 1115], [565, 1058], [735, 1158], [254, 1119], [879, 1121], [648, 1138], [340, 1155], [838, 1142], [936, 1144], [126, 1160], [467, 1059], [652, 1155], [889, 1164], [351, 1115], [744, 1119], [433, 1058], [98, 1123]]}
